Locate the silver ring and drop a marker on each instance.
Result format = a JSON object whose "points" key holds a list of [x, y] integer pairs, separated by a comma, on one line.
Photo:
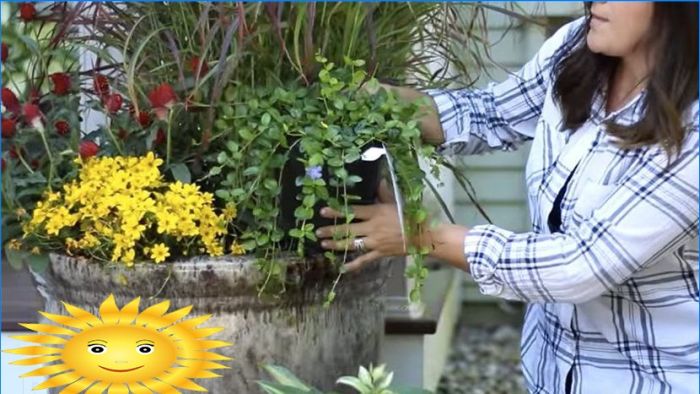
{"points": [[359, 245]]}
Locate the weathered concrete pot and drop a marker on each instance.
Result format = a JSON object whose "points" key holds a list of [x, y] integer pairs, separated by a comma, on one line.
{"points": [[318, 344]]}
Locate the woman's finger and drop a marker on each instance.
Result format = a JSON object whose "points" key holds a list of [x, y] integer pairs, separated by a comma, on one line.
{"points": [[360, 211], [351, 230], [346, 244], [360, 262]]}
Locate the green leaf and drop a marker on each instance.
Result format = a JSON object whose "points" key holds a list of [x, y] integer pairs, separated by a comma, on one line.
{"points": [[265, 120], [250, 171], [285, 377], [215, 171], [181, 173]]}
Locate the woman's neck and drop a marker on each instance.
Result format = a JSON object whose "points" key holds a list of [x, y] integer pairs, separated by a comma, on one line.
{"points": [[628, 79]]}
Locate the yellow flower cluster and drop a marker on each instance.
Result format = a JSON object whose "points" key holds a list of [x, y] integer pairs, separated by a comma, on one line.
{"points": [[120, 208]]}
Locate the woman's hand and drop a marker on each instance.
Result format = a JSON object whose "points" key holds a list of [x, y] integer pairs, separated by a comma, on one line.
{"points": [[379, 228]]}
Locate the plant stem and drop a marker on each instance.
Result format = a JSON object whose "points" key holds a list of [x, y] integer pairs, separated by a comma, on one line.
{"points": [[48, 153]]}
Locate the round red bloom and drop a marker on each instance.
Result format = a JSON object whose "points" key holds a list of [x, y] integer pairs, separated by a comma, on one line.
{"points": [[113, 102], [61, 83], [27, 12], [10, 101], [194, 65], [144, 119], [5, 52], [62, 127], [31, 112], [34, 96], [101, 85], [163, 96], [14, 152], [161, 138], [88, 149], [8, 127]]}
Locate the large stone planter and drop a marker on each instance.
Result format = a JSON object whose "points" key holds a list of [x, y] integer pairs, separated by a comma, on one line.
{"points": [[319, 344]]}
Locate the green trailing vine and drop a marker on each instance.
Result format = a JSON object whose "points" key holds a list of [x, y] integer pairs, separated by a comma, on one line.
{"points": [[330, 123]]}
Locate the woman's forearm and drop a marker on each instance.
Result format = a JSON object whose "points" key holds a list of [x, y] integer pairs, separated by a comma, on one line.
{"points": [[430, 126], [446, 243]]}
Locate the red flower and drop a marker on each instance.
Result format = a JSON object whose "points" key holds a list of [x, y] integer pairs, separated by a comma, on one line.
{"points": [[9, 100], [27, 12], [101, 85], [34, 164], [32, 114], [34, 96], [5, 52], [8, 127], [113, 102], [61, 83], [88, 149], [144, 119], [194, 65], [160, 139], [123, 134], [162, 98], [14, 152], [62, 127]]}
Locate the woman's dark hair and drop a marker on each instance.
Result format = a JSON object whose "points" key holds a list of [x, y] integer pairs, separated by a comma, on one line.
{"points": [[672, 85]]}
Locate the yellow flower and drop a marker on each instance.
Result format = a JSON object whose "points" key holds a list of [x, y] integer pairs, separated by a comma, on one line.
{"points": [[36, 250], [159, 252], [237, 249], [230, 212], [20, 212], [15, 244]]}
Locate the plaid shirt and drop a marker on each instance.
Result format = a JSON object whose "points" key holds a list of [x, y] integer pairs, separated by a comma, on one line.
{"points": [[613, 296]]}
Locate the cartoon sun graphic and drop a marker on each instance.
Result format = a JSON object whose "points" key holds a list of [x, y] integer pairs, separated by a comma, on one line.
{"points": [[122, 351]]}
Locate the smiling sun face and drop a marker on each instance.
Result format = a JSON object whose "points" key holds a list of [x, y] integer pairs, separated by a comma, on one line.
{"points": [[122, 350]]}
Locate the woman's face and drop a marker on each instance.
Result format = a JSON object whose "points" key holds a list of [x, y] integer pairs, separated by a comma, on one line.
{"points": [[619, 29]]}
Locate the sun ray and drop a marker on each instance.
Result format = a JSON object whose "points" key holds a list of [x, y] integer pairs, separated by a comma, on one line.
{"points": [[128, 313], [48, 370], [209, 356], [118, 388], [204, 375], [109, 311], [77, 387], [178, 378], [122, 351], [47, 329], [206, 345], [201, 364], [207, 332], [152, 316], [160, 387], [137, 388], [82, 314], [35, 350], [58, 381], [35, 360], [41, 339], [97, 388], [66, 320], [174, 316]]}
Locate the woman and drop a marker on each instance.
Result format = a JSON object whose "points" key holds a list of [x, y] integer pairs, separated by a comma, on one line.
{"points": [[610, 267]]}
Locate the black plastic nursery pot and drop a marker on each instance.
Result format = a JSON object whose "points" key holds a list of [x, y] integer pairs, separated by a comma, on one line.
{"points": [[366, 190]]}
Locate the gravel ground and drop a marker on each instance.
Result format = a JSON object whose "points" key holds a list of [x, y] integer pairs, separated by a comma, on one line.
{"points": [[485, 360]]}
